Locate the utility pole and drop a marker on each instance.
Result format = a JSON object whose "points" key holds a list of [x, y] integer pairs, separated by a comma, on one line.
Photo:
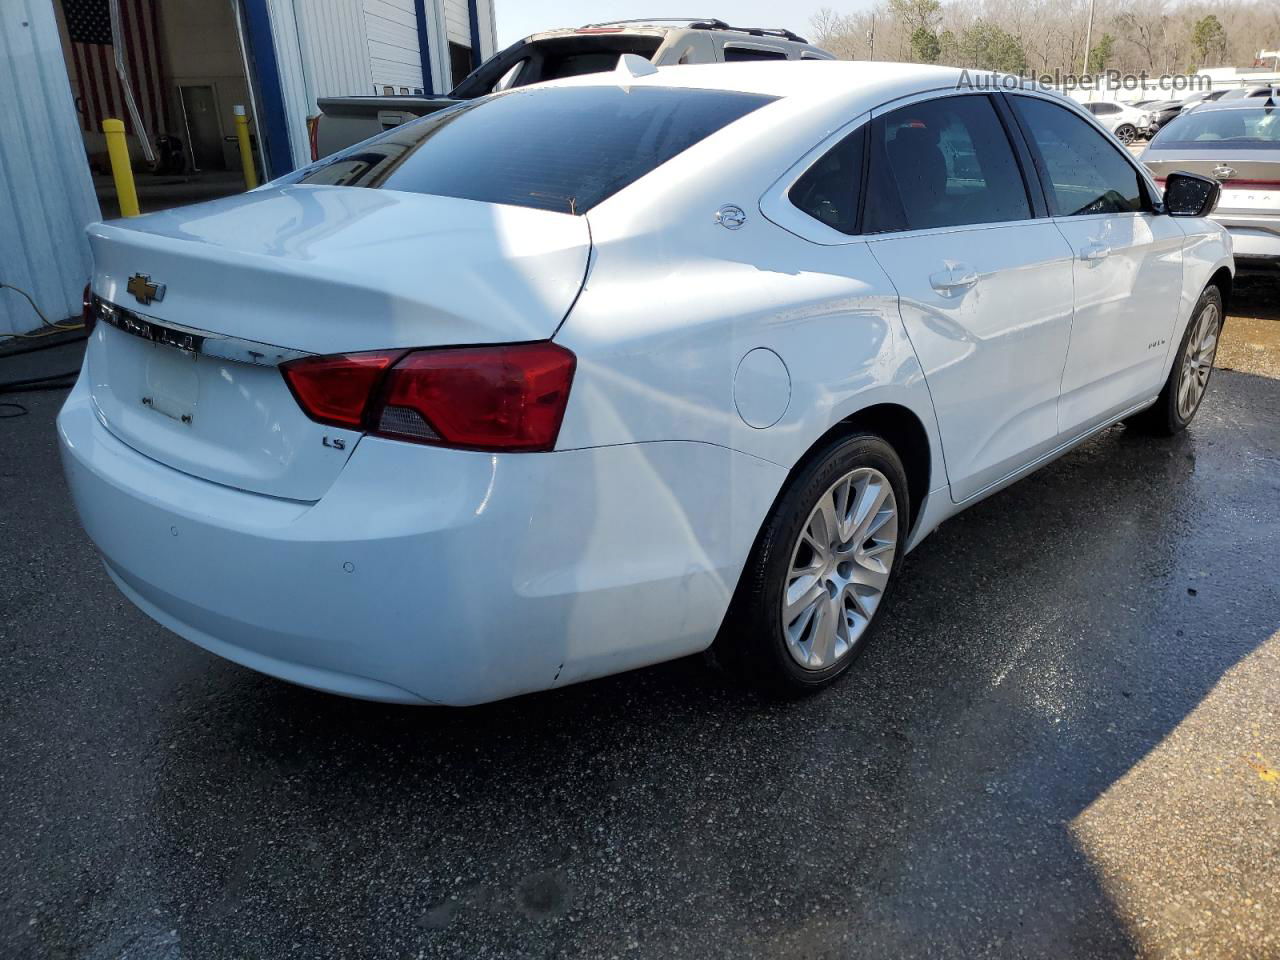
{"points": [[871, 37], [1088, 39]]}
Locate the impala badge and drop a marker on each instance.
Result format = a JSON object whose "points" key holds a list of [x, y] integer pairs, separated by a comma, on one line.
{"points": [[731, 217], [143, 290]]}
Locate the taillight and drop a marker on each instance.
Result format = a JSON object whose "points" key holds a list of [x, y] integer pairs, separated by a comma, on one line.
{"points": [[510, 397], [87, 314], [1252, 184], [313, 137], [336, 389]]}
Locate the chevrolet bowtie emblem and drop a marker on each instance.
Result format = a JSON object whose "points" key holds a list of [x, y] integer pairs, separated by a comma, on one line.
{"points": [[143, 290]]}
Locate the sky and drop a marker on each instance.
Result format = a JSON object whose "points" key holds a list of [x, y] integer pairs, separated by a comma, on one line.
{"points": [[519, 18]]}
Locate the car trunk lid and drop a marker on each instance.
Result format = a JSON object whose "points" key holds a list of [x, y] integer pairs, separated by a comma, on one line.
{"points": [[1250, 184], [205, 303]]}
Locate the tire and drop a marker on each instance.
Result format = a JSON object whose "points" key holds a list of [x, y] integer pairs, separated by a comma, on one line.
{"points": [[1126, 133], [1173, 409], [755, 642]]}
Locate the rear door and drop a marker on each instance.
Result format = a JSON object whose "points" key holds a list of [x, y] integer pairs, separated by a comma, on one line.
{"points": [[984, 285], [1127, 264]]}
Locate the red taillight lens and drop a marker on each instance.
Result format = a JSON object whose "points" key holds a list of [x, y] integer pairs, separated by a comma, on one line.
{"points": [[336, 389], [480, 398], [509, 397]]}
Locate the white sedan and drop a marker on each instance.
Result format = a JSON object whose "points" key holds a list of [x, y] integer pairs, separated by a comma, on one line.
{"points": [[1125, 121], [585, 376]]}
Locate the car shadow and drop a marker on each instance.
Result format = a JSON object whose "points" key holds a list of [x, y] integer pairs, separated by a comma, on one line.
{"points": [[1256, 295], [1037, 648]]}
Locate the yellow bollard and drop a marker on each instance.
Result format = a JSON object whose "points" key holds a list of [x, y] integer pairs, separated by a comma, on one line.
{"points": [[121, 170], [246, 150]]}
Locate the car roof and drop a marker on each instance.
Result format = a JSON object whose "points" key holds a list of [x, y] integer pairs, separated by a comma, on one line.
{"points": [[652, 25], [1240, 103], [847, 82]]}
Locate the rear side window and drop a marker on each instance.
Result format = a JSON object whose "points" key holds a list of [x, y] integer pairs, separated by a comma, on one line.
{"points": [[828, 190], [942, 163], [559, 148], [742, 54], [1085, 172]]}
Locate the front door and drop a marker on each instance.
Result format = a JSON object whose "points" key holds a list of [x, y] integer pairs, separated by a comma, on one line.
{"points": [[984, 289], [1127, 266]]}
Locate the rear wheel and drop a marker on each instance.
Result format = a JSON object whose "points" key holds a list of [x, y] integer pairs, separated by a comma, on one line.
{"points": [[820, 570], [1126, 133], [1188, 381]]}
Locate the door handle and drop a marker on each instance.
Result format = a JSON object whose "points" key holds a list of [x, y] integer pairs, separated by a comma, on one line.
{"points": [[956, 278], [1094, 250]]}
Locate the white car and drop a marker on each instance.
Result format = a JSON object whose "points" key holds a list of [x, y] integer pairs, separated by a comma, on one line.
{"points": [[1125, 121], [585, 376]]}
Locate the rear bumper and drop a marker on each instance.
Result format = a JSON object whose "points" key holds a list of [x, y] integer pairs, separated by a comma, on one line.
{"points": [[1253, 238], [430, 575]]}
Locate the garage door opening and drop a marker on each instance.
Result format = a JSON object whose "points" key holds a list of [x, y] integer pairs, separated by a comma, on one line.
{"points": [[173, 71]]}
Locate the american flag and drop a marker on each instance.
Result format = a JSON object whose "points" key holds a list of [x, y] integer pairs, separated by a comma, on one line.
{"points": [[92, 63]]}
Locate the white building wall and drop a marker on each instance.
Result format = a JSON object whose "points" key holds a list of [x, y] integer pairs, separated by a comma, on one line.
{"points": [[457, 21], [357, 47], [394, 57], [46, 194], [488, 29], [335, 47]]}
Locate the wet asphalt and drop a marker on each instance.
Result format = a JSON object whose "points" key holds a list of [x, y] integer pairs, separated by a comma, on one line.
{"points": [[1065, 742]]}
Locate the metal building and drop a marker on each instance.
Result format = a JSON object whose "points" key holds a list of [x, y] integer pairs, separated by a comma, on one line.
{"points": [[186, 64]]}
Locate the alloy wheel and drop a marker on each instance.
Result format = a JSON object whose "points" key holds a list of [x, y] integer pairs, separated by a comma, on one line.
{"points": [[1197, 361], [839, 569]]}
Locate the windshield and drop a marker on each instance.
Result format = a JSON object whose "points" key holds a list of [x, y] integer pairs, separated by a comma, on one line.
{"points": [[554, 148], [1238, 128]]}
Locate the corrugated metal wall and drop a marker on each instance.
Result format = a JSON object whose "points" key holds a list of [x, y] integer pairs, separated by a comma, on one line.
{"points": [[46, 193], [393, 44], [457, 22]]}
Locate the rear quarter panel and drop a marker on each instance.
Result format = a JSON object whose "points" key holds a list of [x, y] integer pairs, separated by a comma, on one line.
{"points": [[673, 302], [666, 319], [1207, 251]]}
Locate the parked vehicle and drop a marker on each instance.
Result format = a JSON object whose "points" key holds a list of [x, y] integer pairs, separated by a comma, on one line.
{"points": [[1257, 90], [1159, 113], [700, 361], [1203, 97], [555, 54], [1197, 100], [1126, 122], [1237, 142]]}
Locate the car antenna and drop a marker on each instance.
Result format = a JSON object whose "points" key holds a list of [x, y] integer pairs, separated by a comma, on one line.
{"points": [[631, 66]]}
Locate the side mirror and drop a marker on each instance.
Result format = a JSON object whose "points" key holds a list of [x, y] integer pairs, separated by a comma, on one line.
{"points": [[1190, 195]]}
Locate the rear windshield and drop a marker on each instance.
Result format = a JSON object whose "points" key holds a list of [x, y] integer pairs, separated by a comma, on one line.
{"points": [[553, 148], [1222, 128]]}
